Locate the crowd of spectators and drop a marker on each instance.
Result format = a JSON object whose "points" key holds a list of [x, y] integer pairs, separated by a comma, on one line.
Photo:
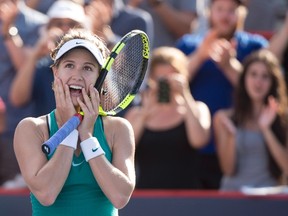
{"points": [[199, 46]]}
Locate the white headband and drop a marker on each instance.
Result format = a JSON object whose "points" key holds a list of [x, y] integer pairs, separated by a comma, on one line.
{"points": [[81, 43]]}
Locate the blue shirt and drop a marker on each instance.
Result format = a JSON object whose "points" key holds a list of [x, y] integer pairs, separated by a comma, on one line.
{"points": [[210, 85]]}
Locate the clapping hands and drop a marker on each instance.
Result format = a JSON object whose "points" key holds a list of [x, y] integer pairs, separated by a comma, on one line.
{"points": [[268, 113]]}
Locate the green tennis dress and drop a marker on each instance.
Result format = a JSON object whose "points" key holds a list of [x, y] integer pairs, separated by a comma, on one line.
{"points": [[81, 194]]}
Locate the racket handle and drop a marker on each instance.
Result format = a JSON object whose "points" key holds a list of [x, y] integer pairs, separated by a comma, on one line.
{"points": [[51, 144], [100, 80]]}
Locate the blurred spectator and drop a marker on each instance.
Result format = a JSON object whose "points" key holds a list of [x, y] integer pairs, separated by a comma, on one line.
{"points": [[264, 15], [15, 19], [33, 82], [172, 18], [100, 14], [168, 125], [252, 136], [113, 19], [214, 68], [126, 19]]}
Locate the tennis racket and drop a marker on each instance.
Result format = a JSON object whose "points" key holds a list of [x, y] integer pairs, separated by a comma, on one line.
{"points": [[119, 81]]}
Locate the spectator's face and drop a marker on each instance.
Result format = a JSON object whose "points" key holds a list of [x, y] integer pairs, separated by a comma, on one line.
{"points": [[224, 17], [258, 81]]}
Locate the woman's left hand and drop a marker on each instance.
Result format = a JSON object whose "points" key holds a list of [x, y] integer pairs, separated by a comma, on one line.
{"points": [[90, 107], [268, 113]]}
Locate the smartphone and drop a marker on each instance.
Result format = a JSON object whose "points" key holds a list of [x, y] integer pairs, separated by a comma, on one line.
{"points": [[163, 91]]}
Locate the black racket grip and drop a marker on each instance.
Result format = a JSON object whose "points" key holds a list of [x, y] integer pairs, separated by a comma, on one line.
{"points": [[100, 80]]}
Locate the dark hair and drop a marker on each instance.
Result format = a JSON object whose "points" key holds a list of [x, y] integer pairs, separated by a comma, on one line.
{"points": [[242, 111], [169, 56]]}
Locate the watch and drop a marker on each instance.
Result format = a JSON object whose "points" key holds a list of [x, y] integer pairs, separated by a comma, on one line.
{"points": [[12, 32]]}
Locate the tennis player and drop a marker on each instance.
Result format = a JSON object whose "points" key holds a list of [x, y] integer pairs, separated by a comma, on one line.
{"points": [[92, 171]]}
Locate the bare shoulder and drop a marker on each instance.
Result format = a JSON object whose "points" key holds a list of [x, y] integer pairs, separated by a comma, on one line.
{"points": [[116, 123], [32, 122], [118, 132], [31, 127]]}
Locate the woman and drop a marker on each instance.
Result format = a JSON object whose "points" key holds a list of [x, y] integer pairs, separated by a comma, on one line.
{"points": [[252, 137], [74, 180], [168, 125]]}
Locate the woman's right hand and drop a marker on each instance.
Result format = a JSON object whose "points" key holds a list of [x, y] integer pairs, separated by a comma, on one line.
{"points": [[64, 105]]}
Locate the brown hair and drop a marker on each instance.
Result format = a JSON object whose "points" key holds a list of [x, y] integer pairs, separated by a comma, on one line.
{"points": [[243, 103], [169, 56]]}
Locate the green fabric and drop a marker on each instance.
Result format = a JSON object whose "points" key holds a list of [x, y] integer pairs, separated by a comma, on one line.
{"points": [[81, 194]]}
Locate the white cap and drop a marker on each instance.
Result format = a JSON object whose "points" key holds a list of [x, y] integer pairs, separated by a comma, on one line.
{"points": [[71, 44], [67, 9]]}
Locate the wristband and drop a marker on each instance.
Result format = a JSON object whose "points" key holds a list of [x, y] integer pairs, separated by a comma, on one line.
{"points": [[71, 140], [91, 148]]}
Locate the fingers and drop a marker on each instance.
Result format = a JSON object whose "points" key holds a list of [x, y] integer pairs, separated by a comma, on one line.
{"points": [[90, 103]]}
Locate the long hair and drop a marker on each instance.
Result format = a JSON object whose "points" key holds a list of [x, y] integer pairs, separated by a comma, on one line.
{"points": [[243, 104]]}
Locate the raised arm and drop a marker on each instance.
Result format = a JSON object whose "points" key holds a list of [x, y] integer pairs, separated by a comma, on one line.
{"points": [[22, 85], [44, 178], [278, 151], [197, 115], [13, 42], [117, 179], [279, 40]]}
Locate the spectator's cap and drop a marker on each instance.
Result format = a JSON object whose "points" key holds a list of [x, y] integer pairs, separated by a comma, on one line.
{"points": [[71, 44], [67, 9], [240, 2]]}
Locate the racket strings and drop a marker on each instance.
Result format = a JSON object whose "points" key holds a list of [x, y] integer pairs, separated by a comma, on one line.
{"points": [[124, 75]]}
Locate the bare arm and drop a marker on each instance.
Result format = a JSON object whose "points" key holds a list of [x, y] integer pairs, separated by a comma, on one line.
{"points": [[224, 131], [137, 119], [197, 115], [12, 40], [198, 122], [138, 115], [44, 178], [278, 151], [279, 40], [22, 85], [117, 180]]}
